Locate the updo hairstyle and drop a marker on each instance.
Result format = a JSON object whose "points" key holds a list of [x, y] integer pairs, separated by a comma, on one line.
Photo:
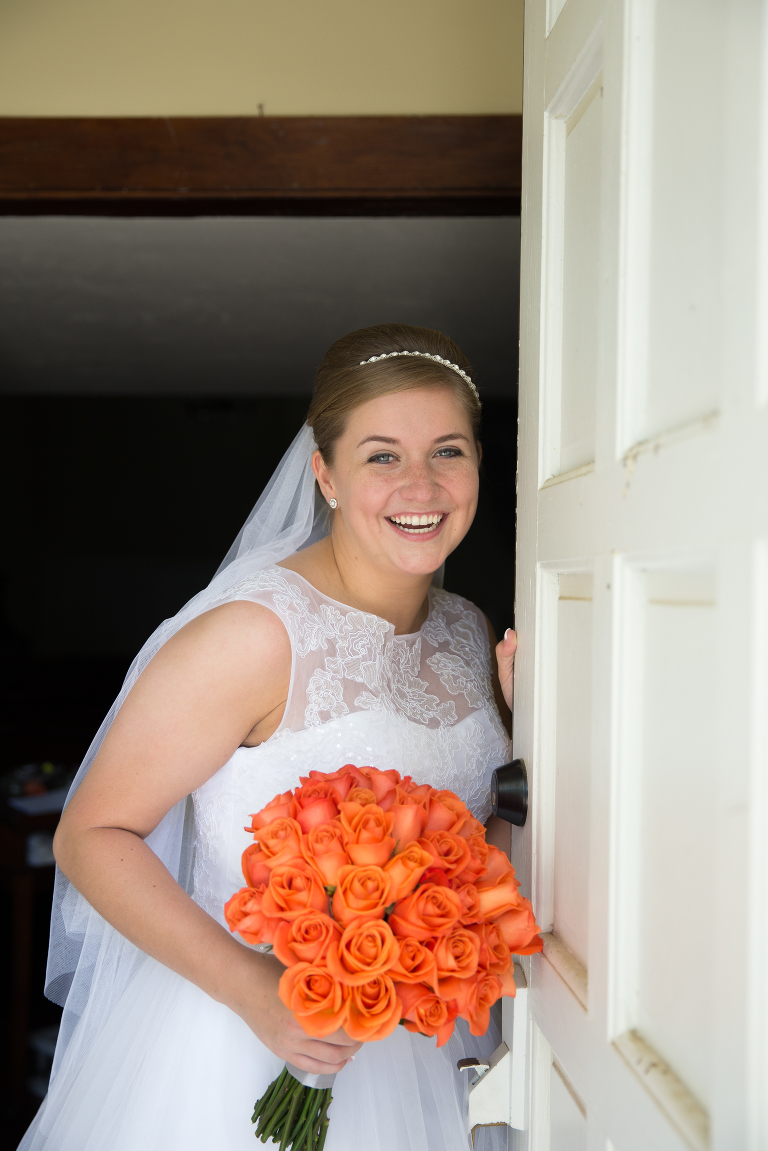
{"points": [[343, 381]]}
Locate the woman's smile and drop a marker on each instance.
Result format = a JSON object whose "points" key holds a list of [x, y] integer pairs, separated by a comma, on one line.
{"points": [[424, 525]]}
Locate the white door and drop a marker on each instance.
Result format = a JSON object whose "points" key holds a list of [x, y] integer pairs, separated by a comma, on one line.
{"points": [[641, 693]]}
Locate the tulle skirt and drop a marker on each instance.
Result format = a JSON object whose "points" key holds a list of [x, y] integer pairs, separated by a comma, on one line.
{"points": [[173, 1070]]}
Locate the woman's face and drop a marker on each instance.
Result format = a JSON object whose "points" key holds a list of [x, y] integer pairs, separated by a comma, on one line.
{"points": [[405, 475]]}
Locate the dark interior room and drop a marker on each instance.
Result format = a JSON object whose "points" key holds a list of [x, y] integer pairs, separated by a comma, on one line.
{"points": [[154, 370]]}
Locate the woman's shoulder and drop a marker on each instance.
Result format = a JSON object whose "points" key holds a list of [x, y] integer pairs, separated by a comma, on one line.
{"points": [[235, 637]]}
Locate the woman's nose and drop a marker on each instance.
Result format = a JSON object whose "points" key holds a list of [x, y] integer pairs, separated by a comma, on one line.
{"points": [[418, 484]]}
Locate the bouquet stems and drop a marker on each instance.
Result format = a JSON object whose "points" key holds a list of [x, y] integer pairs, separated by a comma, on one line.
{"points": [[293, 1115]]}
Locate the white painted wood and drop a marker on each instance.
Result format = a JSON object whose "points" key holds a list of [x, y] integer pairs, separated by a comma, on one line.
{"points": [[573, 734], [568, 1124], [641, 685], [514, 1030], [489, 1096]]}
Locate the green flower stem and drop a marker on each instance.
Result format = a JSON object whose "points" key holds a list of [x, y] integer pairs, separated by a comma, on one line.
{"points": [[289, 1121], [269, 1094], [319, 1137], [276, 1113], [305, 1117], [279, 1113], [323, 1133], [292, 1114], [268, 1109], [308, 1121]]}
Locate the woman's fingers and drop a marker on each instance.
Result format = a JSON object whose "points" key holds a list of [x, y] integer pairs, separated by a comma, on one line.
{"points": [[314, 1066], [505, 656], [321, 1056], [324, 1057]]}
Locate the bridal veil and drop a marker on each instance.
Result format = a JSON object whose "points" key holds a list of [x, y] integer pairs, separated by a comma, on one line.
{"points": [[89, 962]]}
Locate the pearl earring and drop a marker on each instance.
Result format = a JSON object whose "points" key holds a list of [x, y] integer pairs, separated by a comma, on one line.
{"points": [[333, 503]]}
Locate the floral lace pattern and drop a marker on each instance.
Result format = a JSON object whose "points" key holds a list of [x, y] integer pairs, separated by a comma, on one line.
{"points": [[359, 694]]}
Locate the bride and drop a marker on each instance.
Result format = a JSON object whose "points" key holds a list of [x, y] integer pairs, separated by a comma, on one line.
{"points": [[323, 639]]}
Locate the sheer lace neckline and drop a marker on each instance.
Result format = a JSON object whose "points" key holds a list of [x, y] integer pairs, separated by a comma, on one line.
{"points": [[347, 608]]}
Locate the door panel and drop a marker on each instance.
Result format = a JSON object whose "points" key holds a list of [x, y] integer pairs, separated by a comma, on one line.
{"points": [[581, 226], [570, 912], [684, 244], [677, 830], [567, 1120], [641, 683]]}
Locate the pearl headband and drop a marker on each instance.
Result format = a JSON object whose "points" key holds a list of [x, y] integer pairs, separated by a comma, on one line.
{"points": [[427, 356]]}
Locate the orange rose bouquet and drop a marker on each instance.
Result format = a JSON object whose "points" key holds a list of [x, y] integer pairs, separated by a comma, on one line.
{"points": [[386, 906]]}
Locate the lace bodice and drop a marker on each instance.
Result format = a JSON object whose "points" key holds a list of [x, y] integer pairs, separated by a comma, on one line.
{"points": [[422, 703]]}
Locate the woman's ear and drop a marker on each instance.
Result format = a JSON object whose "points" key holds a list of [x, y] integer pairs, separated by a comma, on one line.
{"points": [[323, 475]]}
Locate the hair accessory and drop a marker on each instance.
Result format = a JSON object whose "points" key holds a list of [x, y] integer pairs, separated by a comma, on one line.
{"points": [[333, 503], [427, 356]]}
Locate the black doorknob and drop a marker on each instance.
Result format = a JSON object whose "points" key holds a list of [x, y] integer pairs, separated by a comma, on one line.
{"points": [[509, 792]]}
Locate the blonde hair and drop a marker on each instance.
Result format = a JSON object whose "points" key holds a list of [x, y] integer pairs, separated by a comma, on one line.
{"points": [[344, 380]]}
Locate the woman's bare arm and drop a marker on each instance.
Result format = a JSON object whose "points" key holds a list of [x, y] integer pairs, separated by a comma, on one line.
{"points": [[212, 687]]}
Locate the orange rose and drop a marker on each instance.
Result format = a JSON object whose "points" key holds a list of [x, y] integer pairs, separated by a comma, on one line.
{"points": [[366, 949], [494, 953], [436, 874], [374, 1010], [362, 796], [519, 929], [429, 910], [255, 867], [497, 866], [425, 1012], [354, 773], [316, 999], [409, 822], [416, 964], [472, 827], [507, 981], [361, 891], [478, 857], [474, 998], [498, 899], [446, 812], [420, 792], [456, 955], [368, 831], [324, 848], [315, 803], [281, 807], [470, 901], [279, 841], [306, 938], [293, 888], [383, 784], [243, 913], [450, 851], [341, 780], [497, 889], [406, 869]]}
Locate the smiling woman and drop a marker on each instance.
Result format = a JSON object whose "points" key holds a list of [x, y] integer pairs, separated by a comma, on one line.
{"points": [[395, 416], [322, 640]]}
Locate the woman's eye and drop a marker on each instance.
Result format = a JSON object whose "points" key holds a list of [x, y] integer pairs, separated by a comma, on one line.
{"points": [[381, 458], [449, 453]]}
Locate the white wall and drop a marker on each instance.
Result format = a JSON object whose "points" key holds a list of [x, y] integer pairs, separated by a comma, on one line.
{"points": [[227, 57]]}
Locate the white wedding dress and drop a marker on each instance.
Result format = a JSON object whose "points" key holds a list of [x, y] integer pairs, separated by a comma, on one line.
{"points": [[170, 1069]]}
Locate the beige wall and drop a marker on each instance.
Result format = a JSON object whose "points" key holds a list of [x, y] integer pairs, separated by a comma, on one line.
{"points": [[225, 57]]}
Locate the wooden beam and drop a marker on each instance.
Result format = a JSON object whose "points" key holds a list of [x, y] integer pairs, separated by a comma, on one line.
{"points": [[261, 165]]}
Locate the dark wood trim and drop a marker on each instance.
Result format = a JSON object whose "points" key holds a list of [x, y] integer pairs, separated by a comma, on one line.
{"points": [[343, 165]]}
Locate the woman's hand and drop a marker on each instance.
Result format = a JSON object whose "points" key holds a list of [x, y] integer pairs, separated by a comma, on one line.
{"points": [[505, 656], [269, 1019]]}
